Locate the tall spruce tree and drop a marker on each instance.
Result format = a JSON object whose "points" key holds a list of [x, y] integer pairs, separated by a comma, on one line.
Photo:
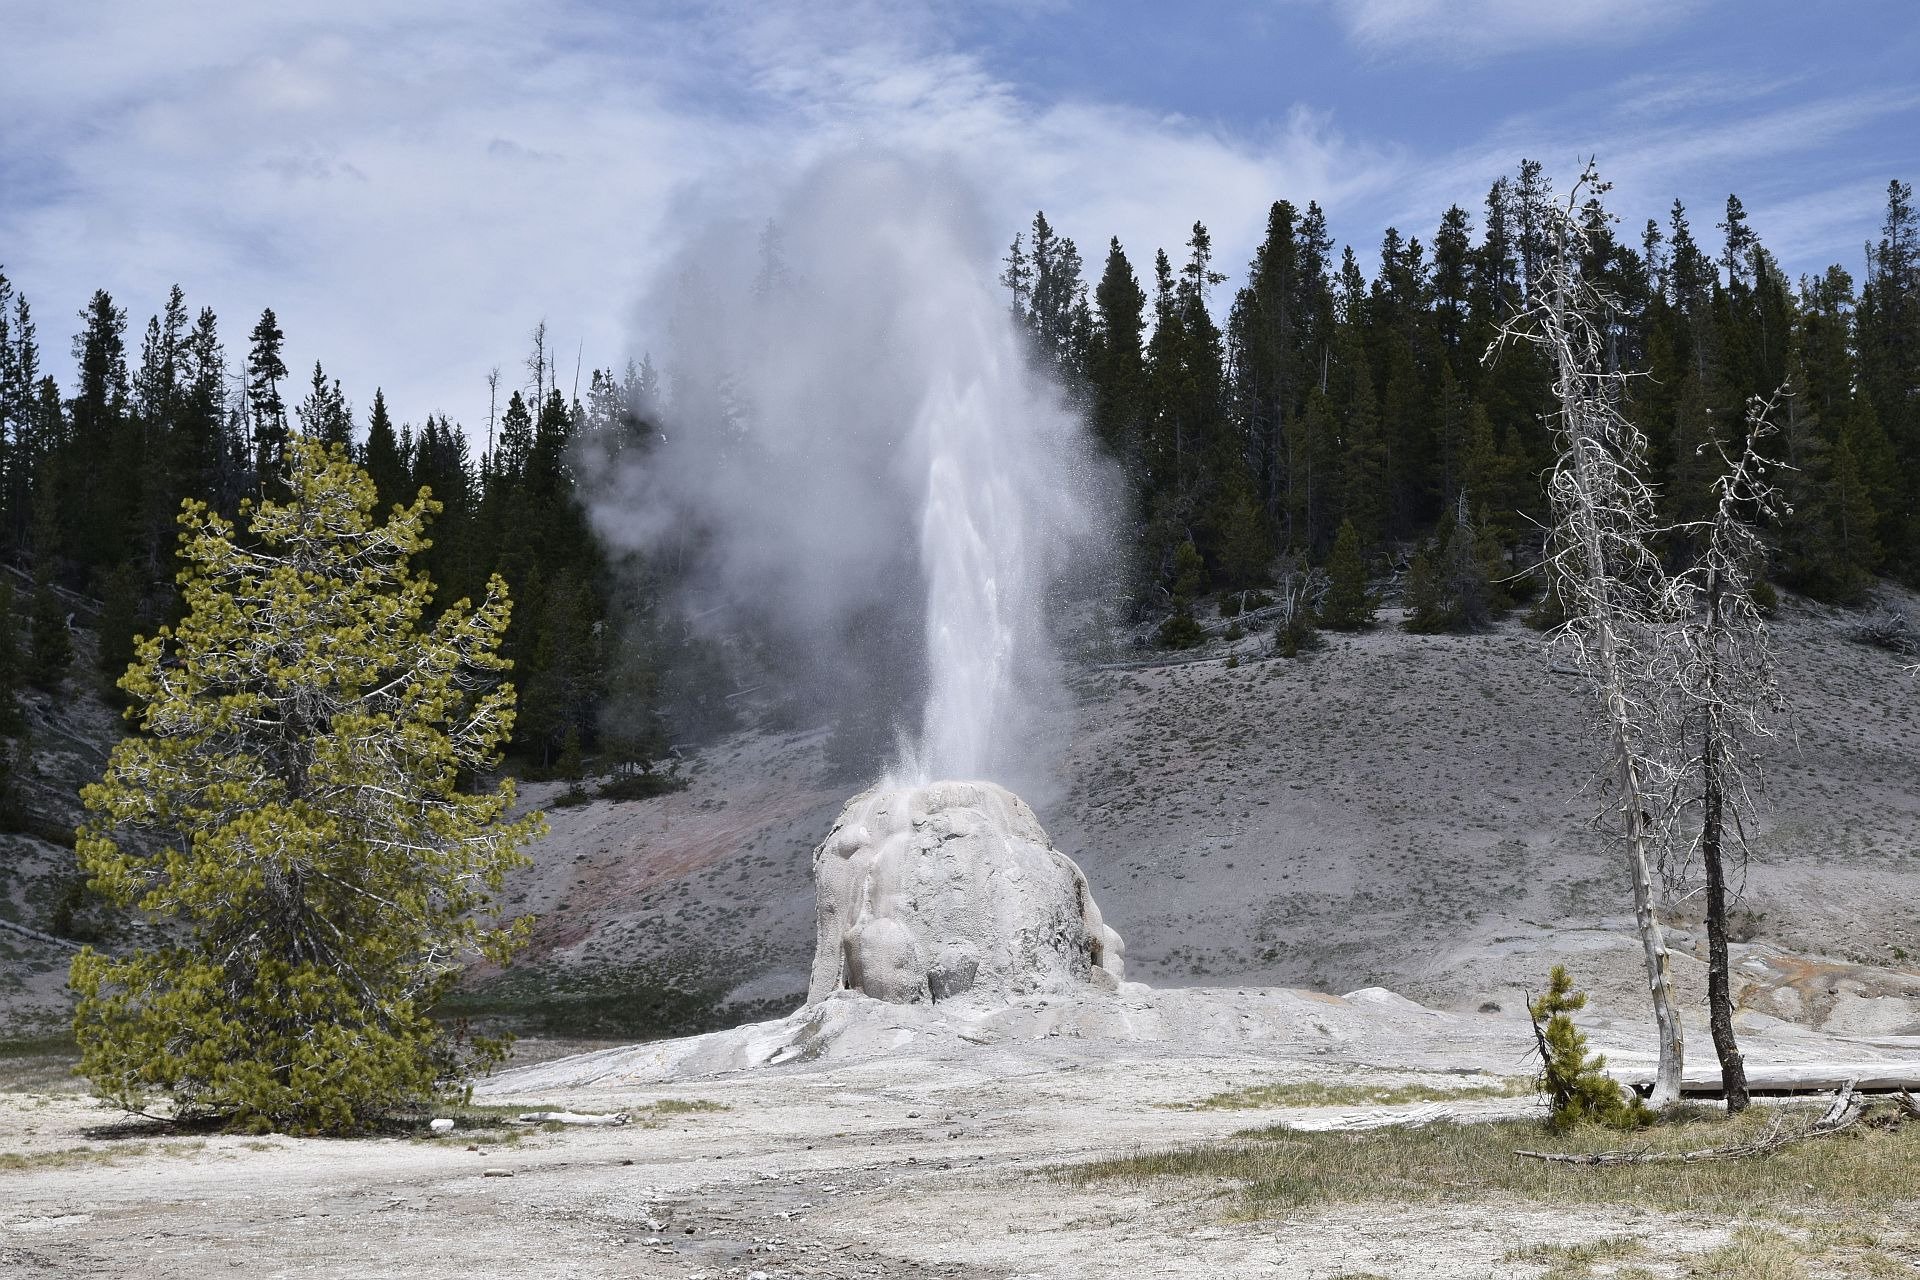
{"points": [[1116, 362], [265, 407]]}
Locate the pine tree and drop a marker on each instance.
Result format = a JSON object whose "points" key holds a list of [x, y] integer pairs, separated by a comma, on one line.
{"points": [[294, 806], [1050, 301], [1349, 605], [1888, 329], [1363, 462], [51, 651], [119, 621], [1116, 364], [200, 455], [1476, 596], [325, 415], [1181, 630], [1246, 549], [386, 464], [1429, 607], [1267, 362], [95, 473], [1576, 1083], [265, 369], [12, 723], [159, 405]]}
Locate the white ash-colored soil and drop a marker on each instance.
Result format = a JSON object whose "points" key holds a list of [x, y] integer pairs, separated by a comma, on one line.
{"points": [[909, 1166]]}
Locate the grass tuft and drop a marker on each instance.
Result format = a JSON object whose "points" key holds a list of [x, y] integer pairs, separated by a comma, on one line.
{"points": [[1754, 1253], [1576, 1261], [1315, 1093], [1277, 1171]]}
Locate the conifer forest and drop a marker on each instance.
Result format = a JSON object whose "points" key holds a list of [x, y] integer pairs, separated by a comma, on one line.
{"points": [[1257, 415]]}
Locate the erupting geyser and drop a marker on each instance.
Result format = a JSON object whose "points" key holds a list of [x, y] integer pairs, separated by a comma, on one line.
{"points": [[860, 444]]}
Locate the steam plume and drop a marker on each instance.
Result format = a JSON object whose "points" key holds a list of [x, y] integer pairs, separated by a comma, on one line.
{"points": [[863, 459]]}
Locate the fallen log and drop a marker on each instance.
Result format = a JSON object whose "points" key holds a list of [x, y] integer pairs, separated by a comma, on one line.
{"points": [[572, 1117], [38, 936], [1789, 1079], [1842, 1114]]}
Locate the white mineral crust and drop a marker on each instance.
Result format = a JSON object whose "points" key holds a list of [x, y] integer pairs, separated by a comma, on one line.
{"points": [[951, 891]]}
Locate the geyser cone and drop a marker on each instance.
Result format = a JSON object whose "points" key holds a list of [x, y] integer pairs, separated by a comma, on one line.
{"points": [[951, 891]]}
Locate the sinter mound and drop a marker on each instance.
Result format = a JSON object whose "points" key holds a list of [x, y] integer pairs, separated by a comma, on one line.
{"points": [[949, 890]]}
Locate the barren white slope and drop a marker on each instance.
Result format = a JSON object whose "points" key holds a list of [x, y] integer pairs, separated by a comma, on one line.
{"points": [[1391, 810]]}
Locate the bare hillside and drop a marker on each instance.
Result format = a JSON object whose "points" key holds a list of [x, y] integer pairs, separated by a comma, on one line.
{"points": [[1390, 809]]}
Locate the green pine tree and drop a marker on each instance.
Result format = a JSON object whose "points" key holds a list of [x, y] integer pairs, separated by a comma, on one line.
{"points": [[119, 620], [1576, 1083], [1428, 605], [1181, 630], [386, 463], [293, 806], [12, 723], [1349, 605], [51, 648]]}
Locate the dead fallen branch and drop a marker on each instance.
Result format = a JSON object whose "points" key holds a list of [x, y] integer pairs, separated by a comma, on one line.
{"points": [[1845, 1111], [38, 936], [572, 1117]]}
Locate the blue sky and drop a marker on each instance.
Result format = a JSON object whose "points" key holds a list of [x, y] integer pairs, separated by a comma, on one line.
{"points": [[413, 186]]}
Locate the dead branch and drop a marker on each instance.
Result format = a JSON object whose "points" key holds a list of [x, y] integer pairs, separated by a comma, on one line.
{"points": [[572, 1117]]}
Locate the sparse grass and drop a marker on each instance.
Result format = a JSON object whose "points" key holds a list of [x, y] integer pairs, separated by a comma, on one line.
{"points": [[1576, 1261], [59, 1045], [682, 1106], [1315, 1093], [1277, 1171], [70, 1157], [1754, 1253], [39, 1063]]}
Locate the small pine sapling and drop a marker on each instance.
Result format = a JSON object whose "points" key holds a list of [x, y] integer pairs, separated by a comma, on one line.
{"points": [[1576, 1083], [1424, 595], [1181, 630]]}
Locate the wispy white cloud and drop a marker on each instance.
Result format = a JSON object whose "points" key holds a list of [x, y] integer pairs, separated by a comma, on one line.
{"points": [[1698, 137], [1473, 30], [412, 189]]}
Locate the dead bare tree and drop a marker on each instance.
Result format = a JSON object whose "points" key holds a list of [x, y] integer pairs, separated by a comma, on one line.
{"points": [[1726, 694], [1601, 556]]}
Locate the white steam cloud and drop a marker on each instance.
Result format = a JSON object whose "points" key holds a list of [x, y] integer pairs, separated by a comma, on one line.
{"points": [[859, 456]]}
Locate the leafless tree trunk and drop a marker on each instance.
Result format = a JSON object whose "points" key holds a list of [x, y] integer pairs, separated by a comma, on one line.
{"points": [[1733, 1067], [1610, 580], [1726, 686]]}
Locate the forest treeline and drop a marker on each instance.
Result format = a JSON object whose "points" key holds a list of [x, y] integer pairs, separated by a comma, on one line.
{"points": [[1329, 398], [1333, 417]]}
